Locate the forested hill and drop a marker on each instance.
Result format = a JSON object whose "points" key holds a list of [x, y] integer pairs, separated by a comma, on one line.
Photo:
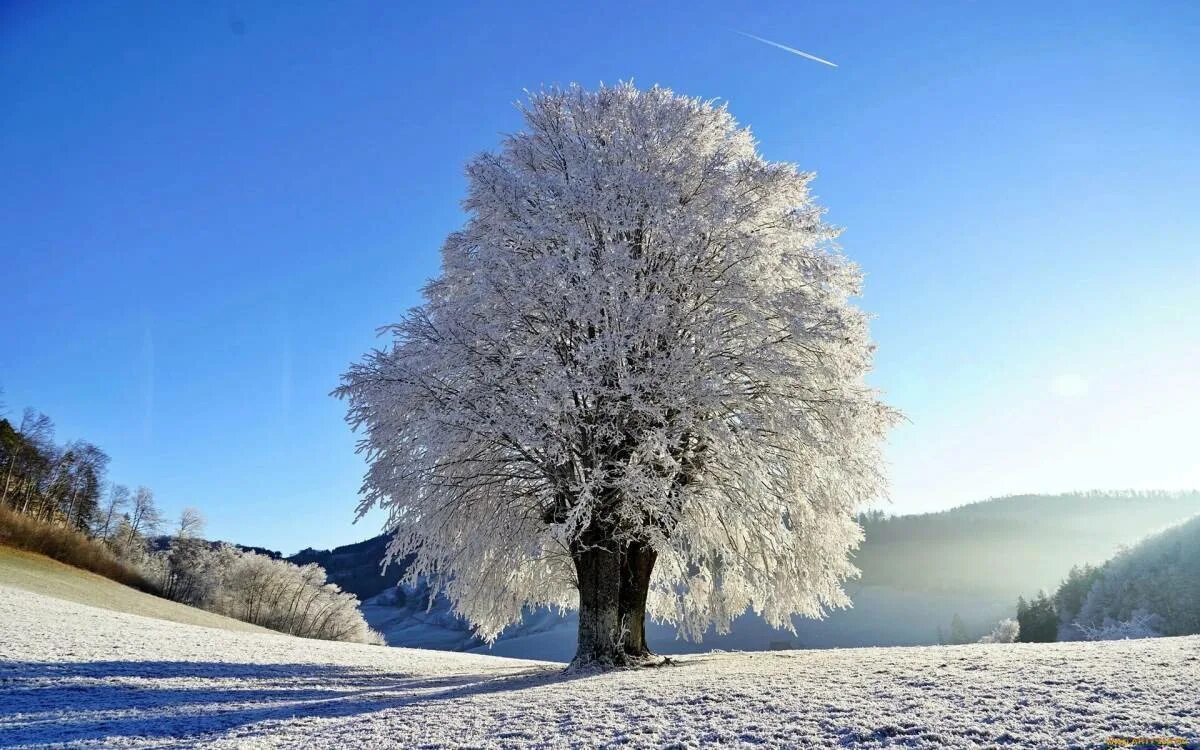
{"points": [[1152, 588], [1005, 546], [355, 567], [1012, 545]]}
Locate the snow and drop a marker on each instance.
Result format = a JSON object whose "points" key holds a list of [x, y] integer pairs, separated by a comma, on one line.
{"points": [[83, 676]]}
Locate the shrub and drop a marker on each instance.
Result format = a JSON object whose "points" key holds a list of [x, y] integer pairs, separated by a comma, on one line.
{"points": [[291, 598], [273, 593], [1140, 625], [67, 545], [1006, 631]]}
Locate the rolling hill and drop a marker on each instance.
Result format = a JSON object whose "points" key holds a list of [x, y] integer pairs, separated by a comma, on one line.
{"points": [[919, 571], [1156, 582]]}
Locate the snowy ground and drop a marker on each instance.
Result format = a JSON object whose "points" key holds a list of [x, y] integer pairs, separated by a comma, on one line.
{"points": [[82, 676]]}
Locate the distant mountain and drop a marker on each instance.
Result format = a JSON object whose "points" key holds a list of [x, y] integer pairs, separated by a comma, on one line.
{"points": [[918, 572]]}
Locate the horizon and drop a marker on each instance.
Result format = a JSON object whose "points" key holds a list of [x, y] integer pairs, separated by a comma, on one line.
{"points": [[202, 246]]}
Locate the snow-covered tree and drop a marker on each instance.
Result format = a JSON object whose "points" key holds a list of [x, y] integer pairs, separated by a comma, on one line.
{"points": [[637, 385], [1150, 588], [1006, 631], [291, 598], [1140, 624]]}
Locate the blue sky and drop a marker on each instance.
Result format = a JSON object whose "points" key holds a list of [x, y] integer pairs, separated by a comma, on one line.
{"points": [[209, 208]]}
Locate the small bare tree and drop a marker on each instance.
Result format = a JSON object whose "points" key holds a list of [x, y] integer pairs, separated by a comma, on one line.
{"points": [[110, 514], [144, 518], [191, 524]]}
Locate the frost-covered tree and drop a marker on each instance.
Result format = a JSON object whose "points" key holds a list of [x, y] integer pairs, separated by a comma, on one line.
{"points": [[1140, 624], [1006, 631], [294, 599], [637, 384]]}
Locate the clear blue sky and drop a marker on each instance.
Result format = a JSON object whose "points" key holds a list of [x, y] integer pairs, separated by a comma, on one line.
{"points": [[208, 208]]}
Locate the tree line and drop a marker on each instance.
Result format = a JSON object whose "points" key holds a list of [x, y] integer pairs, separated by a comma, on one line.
{"points": [[55, 499], [65, 485], [1147, 590], [54, 483]]}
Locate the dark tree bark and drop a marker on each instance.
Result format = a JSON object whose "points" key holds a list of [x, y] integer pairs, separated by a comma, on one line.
{"points": [[598, 569], [637, 564], [613, 584]]}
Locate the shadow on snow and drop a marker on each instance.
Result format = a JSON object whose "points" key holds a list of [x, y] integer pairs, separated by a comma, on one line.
{"points": [[56, 702]]}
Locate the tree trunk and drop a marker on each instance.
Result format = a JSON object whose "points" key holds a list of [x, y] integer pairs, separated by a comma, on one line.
{"points": [[636, 566], [613, 584], [598, 568]]}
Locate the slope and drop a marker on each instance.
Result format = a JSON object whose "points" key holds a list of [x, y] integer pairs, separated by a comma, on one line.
{"points": [[1156, 582], [41, 575]]}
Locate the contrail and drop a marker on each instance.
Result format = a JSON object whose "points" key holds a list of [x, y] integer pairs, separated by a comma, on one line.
{"points": [[786, 48]]}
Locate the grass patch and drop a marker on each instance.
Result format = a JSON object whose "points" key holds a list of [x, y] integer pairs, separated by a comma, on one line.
{"points": [[38, 574], [68, 546]]}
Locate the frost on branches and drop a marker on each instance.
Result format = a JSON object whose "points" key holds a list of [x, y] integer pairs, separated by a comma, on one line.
{"points": [[637, 385], [1006, 631]]}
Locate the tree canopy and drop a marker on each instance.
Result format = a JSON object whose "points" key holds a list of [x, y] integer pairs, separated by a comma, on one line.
{"points": [[641, 343]]}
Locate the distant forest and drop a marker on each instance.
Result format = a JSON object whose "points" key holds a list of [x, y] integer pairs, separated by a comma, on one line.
{"points": [[1001, 547]]}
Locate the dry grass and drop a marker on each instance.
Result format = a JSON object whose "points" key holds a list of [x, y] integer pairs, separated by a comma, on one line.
{"points": [[38, 574], [68, 546]]}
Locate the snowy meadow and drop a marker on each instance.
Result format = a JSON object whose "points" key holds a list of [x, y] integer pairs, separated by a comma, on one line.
{"points": [[84, 677]]}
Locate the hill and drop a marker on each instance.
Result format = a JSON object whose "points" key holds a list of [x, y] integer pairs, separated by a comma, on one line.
{"points": [[1012, 545], [77, 675], [1150, 588], [40, 575], [357, 567], [919, 572]]}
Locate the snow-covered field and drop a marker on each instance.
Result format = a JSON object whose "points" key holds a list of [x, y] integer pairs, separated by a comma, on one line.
{"points": [[82, 676]]}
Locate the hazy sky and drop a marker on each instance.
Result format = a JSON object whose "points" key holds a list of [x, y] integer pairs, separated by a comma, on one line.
{"points": [[208, 208]]}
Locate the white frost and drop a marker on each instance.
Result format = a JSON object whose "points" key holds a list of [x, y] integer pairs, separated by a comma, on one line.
{"points": [[72, 674]]}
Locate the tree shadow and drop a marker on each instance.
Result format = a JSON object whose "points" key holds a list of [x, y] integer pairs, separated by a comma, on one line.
{"points": [[56, 702]]}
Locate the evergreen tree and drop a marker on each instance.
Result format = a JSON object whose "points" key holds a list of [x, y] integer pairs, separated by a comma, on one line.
{"points": [[1037, 619], [958, 631]]}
